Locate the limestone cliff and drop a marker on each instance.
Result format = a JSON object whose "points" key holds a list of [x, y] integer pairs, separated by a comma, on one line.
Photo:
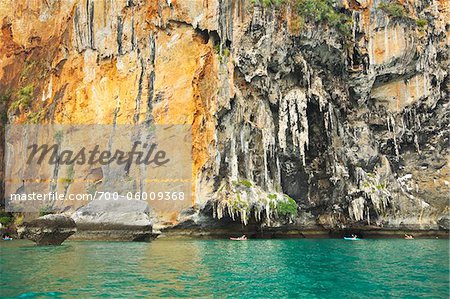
{"points": [[309, 113]]}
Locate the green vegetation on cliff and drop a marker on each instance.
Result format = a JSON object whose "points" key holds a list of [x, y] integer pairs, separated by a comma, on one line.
{"points": [[245, 183], [23, 98], [5, 218], [46, 210], [421, 23], [269, 2], [316, 11], [36, 117], [323, 11], [393, 9], [287, 207]]}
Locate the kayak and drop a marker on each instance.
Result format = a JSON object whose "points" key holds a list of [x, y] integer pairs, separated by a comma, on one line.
{"points": [[351, 239], [7, 239], [238, 239]]}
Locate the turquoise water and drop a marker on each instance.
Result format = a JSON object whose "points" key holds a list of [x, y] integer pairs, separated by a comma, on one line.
{"points": [[220, 268]]}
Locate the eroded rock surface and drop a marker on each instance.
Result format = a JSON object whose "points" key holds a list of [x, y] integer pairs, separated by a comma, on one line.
{"points": [[118, 220], [351, 124], [444, 223], [48, 229]]}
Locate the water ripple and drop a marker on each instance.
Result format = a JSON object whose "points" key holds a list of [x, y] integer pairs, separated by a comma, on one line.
{"points": [[220, 268]]}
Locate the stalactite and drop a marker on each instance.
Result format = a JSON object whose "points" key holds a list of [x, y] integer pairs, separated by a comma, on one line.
{"points": [[241, 202], [293, 115], [368, 216], [391, 124], [356, 209], [416, 143], [233, 161]]}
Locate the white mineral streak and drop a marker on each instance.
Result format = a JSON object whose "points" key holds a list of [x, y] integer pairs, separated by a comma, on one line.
{"points": [[244, 144], [283, 124], [318, 90], [326, 121], [278, 172], [419, 126], [233, 159], [293, 115], [370, 51], [330, 116], [391, 120], [264, 121], [389, 125], [266, 175], [360, 175], [217, 153], [46, 95], [386, 41], [368, 215], [416, 142]]}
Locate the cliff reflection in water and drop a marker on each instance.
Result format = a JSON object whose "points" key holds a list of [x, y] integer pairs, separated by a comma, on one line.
{"points": [[222, 268]]}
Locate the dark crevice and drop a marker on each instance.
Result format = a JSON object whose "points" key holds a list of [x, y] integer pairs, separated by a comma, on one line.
{"points": [[119, 34], [137, 109], [203, 35], [151, 82], [90, 11]]}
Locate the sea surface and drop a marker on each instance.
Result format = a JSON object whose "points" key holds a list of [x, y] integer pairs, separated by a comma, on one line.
{"points": [[300, 268]]}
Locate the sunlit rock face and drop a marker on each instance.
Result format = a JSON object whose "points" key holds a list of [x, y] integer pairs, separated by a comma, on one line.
{"points": [[399, 94], [353, 127], [119, 220]]}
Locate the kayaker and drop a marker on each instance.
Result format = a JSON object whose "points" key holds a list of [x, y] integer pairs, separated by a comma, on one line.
{"points": [[241, 238], [7, 238]]}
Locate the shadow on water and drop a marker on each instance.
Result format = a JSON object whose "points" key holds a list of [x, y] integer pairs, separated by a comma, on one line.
{"points": [[256, 268]]}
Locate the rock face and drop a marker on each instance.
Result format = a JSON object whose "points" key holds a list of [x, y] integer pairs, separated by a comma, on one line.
{"points": [[116, 220], [348, 116], [48, 229], [444, 223]]}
